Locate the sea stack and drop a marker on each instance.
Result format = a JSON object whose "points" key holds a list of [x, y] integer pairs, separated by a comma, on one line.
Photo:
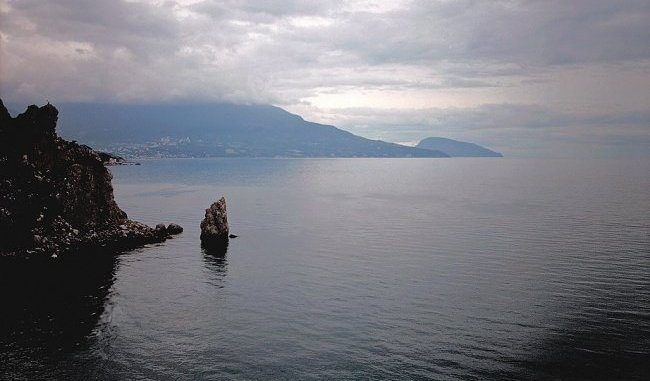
{"points": [[214, 227]]}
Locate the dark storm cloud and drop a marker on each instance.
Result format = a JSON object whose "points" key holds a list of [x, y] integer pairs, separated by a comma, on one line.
{"points": [[534, 32], [529, 32], [554, 61], [141, 27], [252, 10], [468, 42]]}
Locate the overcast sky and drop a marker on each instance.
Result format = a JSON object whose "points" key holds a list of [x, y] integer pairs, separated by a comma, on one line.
{"points": [[528, 78]]}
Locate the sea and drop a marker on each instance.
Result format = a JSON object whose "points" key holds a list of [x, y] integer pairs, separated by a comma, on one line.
{"points": [[352, 269]]}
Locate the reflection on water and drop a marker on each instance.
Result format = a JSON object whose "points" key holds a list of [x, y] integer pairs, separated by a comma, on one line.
{"points": [[240, 171], [217, 248], [588, 351], [216, 261], [50, 309], [607, 339], [353, 269]]}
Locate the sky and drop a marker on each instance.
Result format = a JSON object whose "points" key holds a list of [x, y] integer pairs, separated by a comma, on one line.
{"points": [[528, 78]]}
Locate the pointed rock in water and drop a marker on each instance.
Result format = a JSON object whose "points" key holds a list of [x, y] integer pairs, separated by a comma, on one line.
{"points": [[214, 227]]}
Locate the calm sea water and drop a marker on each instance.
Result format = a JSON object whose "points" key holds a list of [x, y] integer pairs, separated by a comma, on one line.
{"points": [[439, 269]]}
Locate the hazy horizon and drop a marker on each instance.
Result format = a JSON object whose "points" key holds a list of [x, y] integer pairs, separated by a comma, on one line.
{"points": [[526, 78]]}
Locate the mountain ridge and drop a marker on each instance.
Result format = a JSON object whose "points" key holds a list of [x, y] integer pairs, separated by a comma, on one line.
{"points": [[216, 130], [457, 148]]}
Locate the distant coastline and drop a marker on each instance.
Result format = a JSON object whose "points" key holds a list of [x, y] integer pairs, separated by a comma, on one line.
{"points": [[216, 130], [456, 148]]}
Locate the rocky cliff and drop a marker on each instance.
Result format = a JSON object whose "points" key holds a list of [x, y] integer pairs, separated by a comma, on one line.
{"points": [[55, 195]]}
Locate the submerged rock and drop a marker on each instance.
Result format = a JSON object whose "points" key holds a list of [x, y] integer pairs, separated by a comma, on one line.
{"points": [[174, 229], [56, 196], [214, 227], [160, 230]]}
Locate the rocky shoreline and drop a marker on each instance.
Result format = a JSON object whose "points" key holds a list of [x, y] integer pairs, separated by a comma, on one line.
{"points": [[56, 196]]}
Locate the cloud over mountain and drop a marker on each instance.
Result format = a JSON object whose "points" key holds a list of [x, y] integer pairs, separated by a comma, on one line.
{"points": [[583, 58]]}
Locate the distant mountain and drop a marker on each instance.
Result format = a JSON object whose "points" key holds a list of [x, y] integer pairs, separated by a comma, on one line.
{"points": [[455, 148], [200, 130]]}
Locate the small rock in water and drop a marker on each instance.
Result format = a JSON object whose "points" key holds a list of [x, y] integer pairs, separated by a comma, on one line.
{"points": [[214, 227], [233, 236], [174, 229]]}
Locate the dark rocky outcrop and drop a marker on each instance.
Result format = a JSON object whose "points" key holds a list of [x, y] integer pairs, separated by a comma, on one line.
{"points": [[214, 227], [110, 159], [174, 229], [55, 195]]}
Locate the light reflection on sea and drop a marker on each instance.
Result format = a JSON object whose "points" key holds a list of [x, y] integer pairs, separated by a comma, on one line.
{"points": [[356, 269]]}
